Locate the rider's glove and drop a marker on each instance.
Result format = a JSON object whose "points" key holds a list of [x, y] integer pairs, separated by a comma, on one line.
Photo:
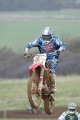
{"points": [[59, 50], [26, 51]]}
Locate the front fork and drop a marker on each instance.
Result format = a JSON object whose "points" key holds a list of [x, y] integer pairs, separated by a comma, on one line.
{"points": [[41, 79]]}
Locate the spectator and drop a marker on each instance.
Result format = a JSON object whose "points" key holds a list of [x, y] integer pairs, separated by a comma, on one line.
{"points": [[71, 114]]}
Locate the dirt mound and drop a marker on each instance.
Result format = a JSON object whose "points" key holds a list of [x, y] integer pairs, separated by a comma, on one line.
{"points": [[30, 114], [14, 65]]}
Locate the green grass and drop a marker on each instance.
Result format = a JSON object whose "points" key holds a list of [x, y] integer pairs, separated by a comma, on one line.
{"points": [[28, 119], [19, 28], [68, 12], [68, 90], [13, 93]]}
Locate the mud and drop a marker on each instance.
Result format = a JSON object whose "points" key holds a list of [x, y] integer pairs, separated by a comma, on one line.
{"points": [[40, 113]]}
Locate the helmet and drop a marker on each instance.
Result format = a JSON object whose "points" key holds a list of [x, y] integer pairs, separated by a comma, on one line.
{"points": [[72, 106], [47, 33]]}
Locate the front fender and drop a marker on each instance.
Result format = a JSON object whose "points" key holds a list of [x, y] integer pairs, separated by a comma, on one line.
{"points": [[33, 66]]}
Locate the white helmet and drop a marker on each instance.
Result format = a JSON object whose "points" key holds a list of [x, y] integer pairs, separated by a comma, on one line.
{"points": [[47, 33], [72, 106]]}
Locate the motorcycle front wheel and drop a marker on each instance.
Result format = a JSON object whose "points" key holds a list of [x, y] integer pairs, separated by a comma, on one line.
{"points": [[33, 95]]}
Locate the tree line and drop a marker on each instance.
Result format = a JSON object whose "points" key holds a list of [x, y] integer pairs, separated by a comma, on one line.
{"points": [[38, 5]]}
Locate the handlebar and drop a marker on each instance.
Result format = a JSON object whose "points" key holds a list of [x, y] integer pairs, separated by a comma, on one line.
{"points": [[48, 54]]}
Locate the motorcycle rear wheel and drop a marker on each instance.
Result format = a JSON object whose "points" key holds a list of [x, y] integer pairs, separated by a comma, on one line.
{"points": [[34, 97]]}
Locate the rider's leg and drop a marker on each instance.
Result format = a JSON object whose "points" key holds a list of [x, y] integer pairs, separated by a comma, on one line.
{"points": [[53, 82], [53, 77]]}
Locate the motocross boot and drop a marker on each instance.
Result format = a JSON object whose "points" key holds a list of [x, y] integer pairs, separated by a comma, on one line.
{"points": [[53, 84]]}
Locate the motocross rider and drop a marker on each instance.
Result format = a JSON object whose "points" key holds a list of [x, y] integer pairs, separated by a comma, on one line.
{"points": [[48, 43], [71, 114]]}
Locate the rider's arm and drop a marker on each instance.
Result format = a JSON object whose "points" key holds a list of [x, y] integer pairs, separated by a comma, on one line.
{"points": [[61, 44], [62, 117], [33, 44]]}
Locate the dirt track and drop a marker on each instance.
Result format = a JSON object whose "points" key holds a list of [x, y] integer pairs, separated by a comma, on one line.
{"points": [[31, 114]]}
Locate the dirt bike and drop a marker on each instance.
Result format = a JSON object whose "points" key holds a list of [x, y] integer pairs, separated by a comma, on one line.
{"points": [[39, 84]]}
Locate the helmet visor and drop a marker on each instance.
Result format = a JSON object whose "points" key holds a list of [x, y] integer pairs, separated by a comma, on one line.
{"points": [[46, 37]]}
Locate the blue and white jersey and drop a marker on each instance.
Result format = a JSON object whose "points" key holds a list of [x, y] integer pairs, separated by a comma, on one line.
{"points": [[44, 47]]}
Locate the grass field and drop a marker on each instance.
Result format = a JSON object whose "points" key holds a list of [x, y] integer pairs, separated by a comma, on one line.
{"points": [[19, 28], [28, 119], [13, 93]]}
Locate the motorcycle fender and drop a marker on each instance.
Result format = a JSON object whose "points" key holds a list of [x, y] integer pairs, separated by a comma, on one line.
{"points": [[33, 66]]}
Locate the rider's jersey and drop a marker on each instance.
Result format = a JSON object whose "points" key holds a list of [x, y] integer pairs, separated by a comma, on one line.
{"points": [[44, 47], [69, 116]]}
